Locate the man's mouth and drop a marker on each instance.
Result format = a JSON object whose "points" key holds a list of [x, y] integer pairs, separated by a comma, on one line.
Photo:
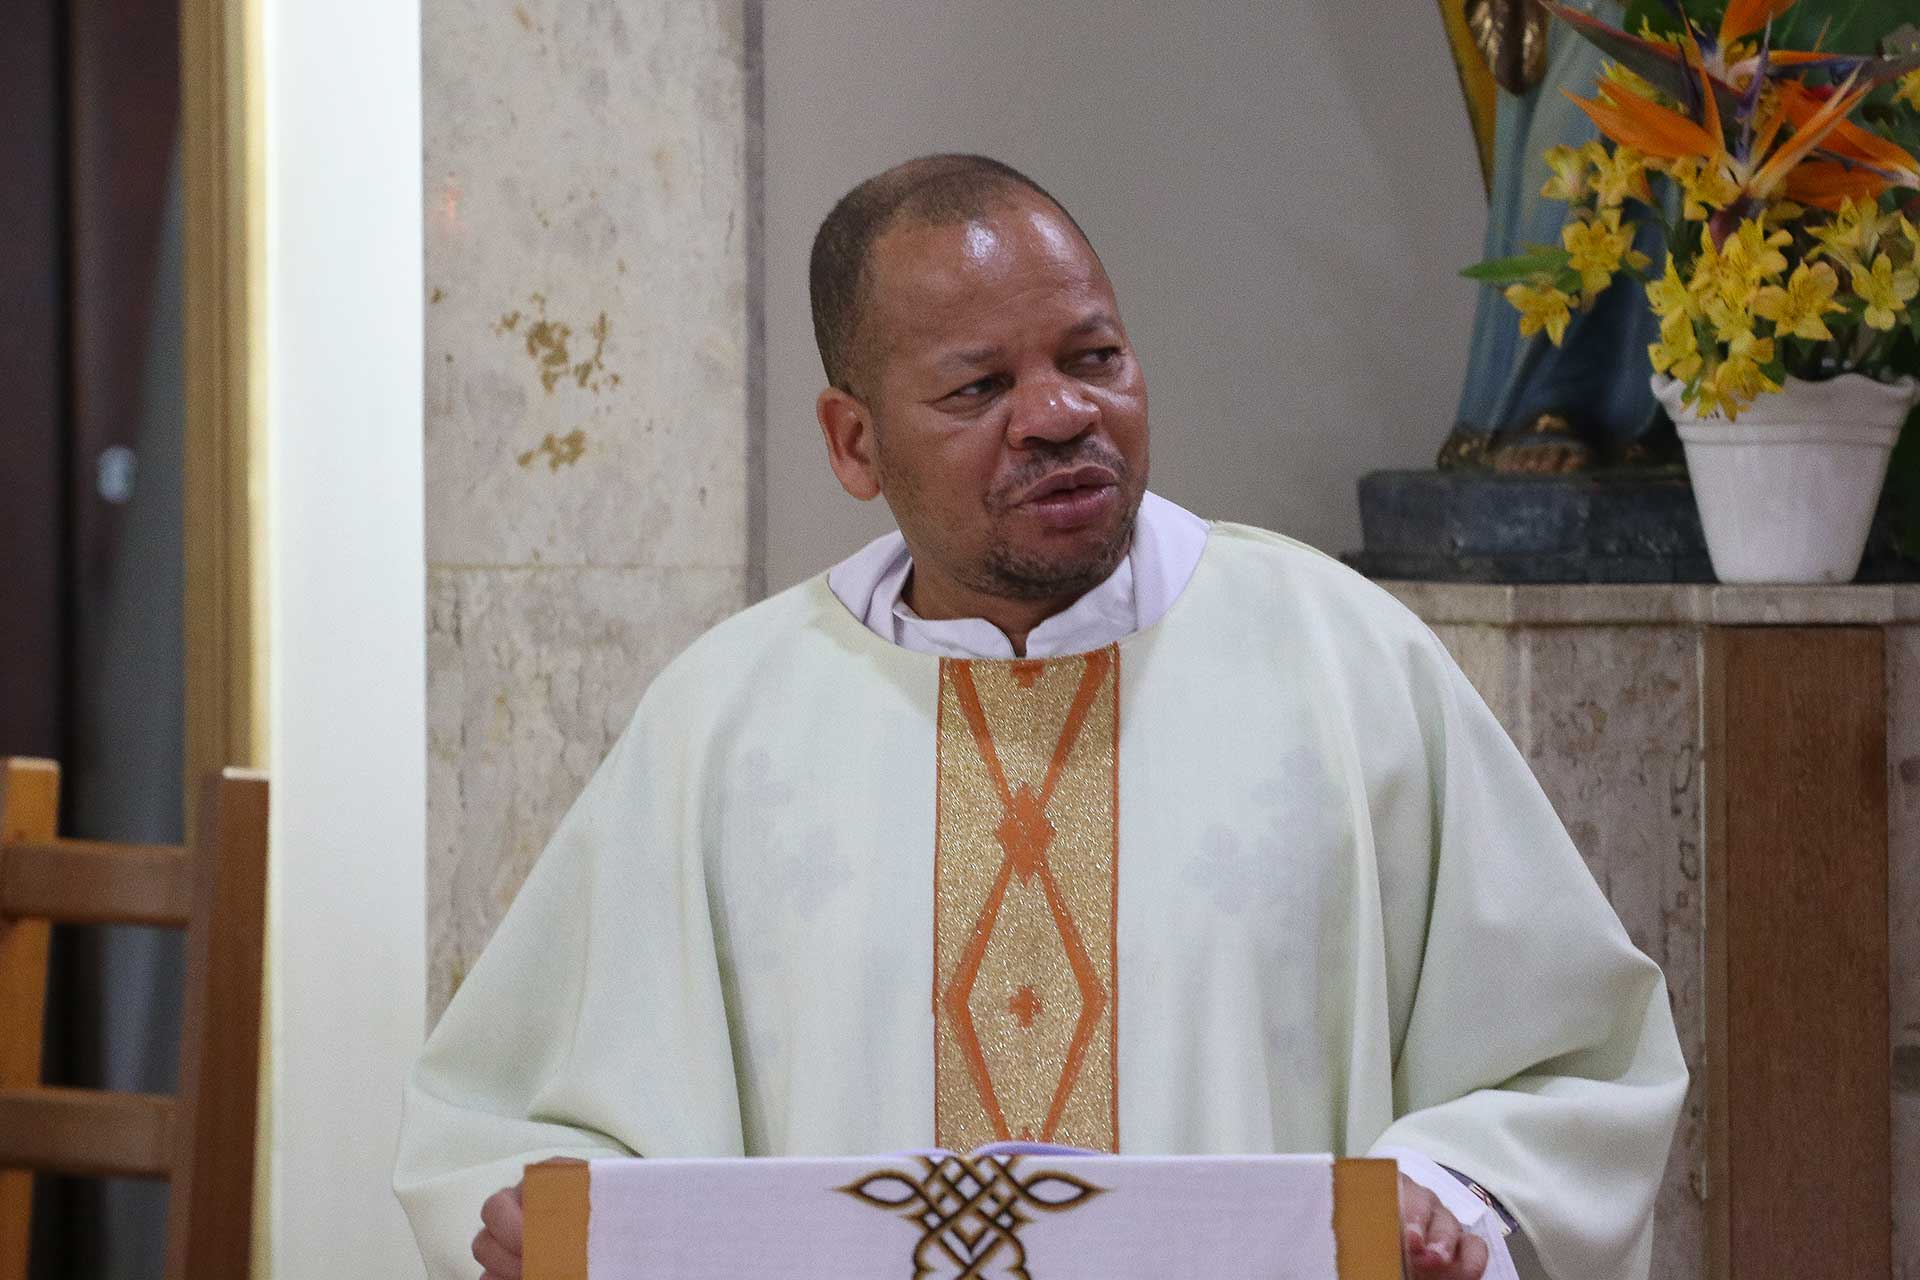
{"points": [[1072, 497], [1065, 483]]}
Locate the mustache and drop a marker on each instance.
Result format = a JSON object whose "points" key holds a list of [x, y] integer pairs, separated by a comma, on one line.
{"points": [[1051, 458]]}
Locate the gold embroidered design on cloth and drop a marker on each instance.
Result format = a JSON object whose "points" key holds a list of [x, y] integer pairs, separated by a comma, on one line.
{"points": [[970, 1211], [1026, 878]]}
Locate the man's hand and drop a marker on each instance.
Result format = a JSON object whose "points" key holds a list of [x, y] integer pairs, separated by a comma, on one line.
{"points": [[1436, 1247], [497, 1247]]}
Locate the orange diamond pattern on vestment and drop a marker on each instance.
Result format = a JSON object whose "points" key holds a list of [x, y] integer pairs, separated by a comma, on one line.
{"points": [[1025, 833], [1048, 1069]]}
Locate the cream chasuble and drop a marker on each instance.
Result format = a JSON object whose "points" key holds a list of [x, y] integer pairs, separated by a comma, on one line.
{"points": [[1263, 877]]}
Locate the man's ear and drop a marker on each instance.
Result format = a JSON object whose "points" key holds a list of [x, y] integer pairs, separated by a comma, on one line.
{"points": [[848, 427]]}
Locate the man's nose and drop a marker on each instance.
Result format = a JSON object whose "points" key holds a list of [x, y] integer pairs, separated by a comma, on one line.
{"points": [[1052, 410]]}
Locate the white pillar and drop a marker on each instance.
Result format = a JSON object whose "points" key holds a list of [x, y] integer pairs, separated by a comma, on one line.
{"points": [[345, 585]]}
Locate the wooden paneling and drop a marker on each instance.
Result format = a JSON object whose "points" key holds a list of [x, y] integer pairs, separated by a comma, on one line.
{"points": [[210, 1219], [29, 803], [1799, 1182], [86, 882], [221, 171], [87, 1132]]}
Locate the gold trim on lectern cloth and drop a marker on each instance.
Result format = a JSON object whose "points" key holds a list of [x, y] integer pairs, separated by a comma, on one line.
{"points": [[1026, 872], [558, 1201]]}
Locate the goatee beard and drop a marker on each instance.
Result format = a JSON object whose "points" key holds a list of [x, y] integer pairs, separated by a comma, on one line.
{"points": [[1010, 575]]}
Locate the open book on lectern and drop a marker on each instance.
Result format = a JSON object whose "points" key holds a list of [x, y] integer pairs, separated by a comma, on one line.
{"points": [[1008, 1211]]}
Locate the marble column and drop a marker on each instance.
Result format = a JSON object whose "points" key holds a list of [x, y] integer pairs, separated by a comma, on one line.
{"points": [[591, 422], [1601, 689]]}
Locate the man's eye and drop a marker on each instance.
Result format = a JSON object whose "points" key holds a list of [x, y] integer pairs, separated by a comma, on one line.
{"points": [[976, 389], [1099, 357]]}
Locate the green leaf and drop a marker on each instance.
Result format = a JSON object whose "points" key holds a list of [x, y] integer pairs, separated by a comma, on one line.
{"points": [[1851, 26], [1516, 270]]}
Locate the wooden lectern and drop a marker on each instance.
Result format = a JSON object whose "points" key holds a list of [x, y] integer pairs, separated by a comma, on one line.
{"points": [[1045, 1216]]}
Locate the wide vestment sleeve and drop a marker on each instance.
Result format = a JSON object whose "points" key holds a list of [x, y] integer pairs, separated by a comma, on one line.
{"points": [[1538, 1054], [593, 1024]]}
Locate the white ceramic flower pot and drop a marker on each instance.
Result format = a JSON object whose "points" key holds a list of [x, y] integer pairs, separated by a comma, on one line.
{"points": [[1787, 493]]}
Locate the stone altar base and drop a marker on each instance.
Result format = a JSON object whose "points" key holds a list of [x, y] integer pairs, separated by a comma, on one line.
{"points": [[1740, 767]]}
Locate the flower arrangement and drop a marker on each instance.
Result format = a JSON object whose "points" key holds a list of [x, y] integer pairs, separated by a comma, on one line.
{"points": [[1784, 183]]}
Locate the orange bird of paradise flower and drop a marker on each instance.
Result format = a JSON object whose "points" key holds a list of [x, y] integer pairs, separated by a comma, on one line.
{"points": [[1824, 160]]}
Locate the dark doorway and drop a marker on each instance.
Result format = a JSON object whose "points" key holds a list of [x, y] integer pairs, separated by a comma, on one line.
{"points": [[91, 418]]}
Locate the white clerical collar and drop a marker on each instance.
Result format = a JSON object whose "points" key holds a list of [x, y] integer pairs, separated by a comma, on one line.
{"points": [[1167, 542]]}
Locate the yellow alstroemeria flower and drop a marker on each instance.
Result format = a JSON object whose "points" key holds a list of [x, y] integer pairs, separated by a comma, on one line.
{"points": [[1797, 310], [1782, 213], [1569, 180], [1731, 274], [1705, 187], [1743, 380], [1600, 248], [1750, 348], [1542, 308], [1755, 251], [1678, 351], [1732, 386], [1708, 269], [1909, 90], [1669, 295], [1885, 291], [1621, 175], [1709, 401], [1853, 235], [1733, 328], [1632, 81]]}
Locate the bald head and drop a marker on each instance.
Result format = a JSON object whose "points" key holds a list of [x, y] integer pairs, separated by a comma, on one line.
{"points": [[938, 190]]}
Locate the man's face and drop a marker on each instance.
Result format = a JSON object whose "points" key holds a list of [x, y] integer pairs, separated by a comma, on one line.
{"points": [[1008, 414]]}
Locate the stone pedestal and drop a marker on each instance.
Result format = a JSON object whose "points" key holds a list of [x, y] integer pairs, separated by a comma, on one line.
{"points": [[1619, 525], [1730, 760]]}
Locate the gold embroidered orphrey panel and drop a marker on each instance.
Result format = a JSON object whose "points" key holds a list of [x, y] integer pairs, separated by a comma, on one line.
{"points": [[1026, 876]]}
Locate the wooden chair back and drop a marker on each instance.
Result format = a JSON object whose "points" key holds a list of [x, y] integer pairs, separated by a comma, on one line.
{"points": [[200, 1140]]}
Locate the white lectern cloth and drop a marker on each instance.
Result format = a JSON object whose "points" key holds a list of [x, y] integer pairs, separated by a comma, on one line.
{"points": [[1117, 1218]]}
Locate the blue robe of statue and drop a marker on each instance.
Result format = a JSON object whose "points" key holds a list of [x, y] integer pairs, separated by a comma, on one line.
{"points": [[1599, 378]]}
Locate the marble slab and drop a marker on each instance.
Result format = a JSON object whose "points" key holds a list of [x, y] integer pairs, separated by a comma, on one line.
{"points": [[1495, 604], [531, 676], [591, 378], [1608, 718], [587, 329]]}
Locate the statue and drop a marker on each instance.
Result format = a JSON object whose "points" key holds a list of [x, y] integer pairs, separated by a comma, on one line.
{"points": [[1528, 406]]}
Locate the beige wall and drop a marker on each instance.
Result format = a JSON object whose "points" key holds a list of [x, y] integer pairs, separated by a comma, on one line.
{"points": [[1261, 179]]}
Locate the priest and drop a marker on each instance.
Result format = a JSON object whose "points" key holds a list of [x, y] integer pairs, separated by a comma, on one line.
{"points": [[1060, 814]]}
